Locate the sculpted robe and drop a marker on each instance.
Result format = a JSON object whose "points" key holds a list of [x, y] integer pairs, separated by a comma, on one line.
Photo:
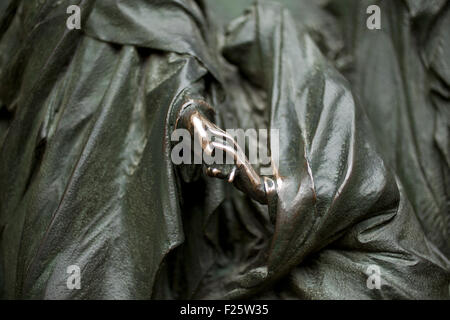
{"points": [[86, 176]]}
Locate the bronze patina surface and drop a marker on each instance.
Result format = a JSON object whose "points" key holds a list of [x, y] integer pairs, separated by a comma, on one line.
{"points": [[86, 176]]}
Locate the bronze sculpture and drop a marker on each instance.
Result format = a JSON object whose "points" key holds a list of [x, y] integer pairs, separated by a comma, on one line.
{"points": [[87, 179]]}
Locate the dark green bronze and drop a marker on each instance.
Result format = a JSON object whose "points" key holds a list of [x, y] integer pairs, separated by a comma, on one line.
{"points": [[86, 176]]}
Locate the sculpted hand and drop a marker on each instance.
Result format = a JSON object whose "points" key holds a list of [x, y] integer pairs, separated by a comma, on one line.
{"points": [[212, 139]]}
